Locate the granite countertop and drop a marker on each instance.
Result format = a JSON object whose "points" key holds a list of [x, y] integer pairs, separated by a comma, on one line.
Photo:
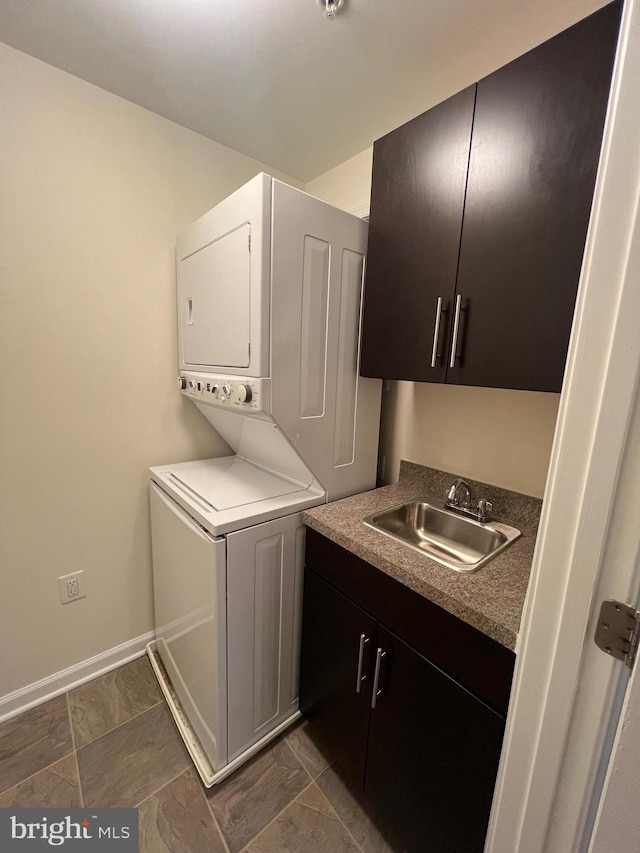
{"points": [[490, 599]]}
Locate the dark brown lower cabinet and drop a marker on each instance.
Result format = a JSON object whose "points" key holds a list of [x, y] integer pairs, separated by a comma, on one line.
{"points": [[432, 754], [421, 747], [333, 630]]}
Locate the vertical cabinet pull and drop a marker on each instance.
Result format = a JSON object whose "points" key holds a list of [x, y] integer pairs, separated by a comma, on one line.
{"points": [[360, 677], [376, 678], [190, 311], [435, 355], [456, 329]]}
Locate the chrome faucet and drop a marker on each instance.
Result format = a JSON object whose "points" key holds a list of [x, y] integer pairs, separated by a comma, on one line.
{"points": [[453, 499], [460, 499]]}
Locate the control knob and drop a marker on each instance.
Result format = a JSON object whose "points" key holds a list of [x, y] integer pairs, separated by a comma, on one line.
{"points": [[243, 394], [191, 384], [182, 382]]}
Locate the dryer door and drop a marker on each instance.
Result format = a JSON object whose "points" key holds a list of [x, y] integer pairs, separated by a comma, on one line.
{"points": [[189, 580], [223, 263], [214, 301]]}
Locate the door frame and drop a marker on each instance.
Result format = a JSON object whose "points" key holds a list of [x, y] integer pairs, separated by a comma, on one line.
{"points": [[597, 403]]}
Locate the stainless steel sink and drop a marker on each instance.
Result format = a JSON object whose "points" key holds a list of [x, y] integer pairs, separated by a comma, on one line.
{"points": [[452, 540]]}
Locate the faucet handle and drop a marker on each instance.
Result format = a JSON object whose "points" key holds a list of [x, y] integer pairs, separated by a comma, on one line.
{"points": [[451, 493], [485, 508]]}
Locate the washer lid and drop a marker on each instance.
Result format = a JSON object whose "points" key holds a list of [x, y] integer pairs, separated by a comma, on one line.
{"points": [[228, 482]]}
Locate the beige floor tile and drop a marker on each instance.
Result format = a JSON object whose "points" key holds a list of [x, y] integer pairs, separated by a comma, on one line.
{"points": [[177, 819], [311, 757], [33, 741], [56, 787], [113, 699], [247, 801], [309, 825], [349, 808], [128, 764]]}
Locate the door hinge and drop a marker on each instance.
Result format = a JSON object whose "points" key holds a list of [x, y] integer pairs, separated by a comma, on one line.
{"points": [[618, 631], [249, 235]]}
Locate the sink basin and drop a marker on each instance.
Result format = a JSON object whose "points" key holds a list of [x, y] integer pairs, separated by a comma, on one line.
{"points": [[454, 541]]}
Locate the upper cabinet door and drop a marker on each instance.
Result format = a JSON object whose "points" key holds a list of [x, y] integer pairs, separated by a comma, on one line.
{"points": [[536, 142], [417, 200]]}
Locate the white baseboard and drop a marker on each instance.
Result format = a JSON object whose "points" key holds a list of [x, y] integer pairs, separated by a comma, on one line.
{"points": [[60, 682]]}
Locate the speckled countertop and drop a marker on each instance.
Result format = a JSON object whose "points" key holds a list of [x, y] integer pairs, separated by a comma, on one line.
{"points": [[490, 599]]}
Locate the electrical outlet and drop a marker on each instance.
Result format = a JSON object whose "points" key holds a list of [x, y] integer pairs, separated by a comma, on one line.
{"points": [[71, 587]]}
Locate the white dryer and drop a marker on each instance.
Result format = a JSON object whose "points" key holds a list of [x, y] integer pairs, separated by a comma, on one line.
{"points": [[270, 286]]}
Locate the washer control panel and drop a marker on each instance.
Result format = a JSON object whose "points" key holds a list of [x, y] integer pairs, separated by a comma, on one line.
{"points": [[242, 393]]}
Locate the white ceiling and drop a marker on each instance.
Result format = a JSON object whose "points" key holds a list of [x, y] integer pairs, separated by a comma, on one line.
{"points": [[274, 79]]}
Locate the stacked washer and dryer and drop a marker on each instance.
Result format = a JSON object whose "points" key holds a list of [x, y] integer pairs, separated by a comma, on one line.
{"points": [[270, 288]]}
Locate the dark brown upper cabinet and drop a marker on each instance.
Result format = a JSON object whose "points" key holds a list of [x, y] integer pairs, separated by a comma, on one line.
{"points": [[417, 201], [479, 215]]}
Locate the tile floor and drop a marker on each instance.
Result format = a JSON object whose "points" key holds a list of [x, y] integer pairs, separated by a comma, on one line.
{"points": [[112, 742]]}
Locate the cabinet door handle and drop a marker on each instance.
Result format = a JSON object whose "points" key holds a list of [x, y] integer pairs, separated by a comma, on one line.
{"points": [[360, 677], [376, 677], [436, 332], [456, 328]]}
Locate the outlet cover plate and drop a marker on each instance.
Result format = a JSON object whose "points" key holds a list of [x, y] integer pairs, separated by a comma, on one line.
{"points": [[63, 587]]}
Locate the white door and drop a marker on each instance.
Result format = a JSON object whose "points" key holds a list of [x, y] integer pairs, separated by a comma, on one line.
{"points": [[189, 590], [557, 743], [617, 826]]}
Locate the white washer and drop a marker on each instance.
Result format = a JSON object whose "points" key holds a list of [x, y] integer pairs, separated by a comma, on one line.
{"points": [[228, 606], [269, 303]]}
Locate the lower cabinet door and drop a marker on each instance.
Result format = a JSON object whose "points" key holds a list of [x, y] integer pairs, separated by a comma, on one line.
{"points": [[433, 754], [335, 673]]}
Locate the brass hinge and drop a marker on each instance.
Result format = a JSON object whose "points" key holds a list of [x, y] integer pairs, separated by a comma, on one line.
{"points": [[618, 631]]}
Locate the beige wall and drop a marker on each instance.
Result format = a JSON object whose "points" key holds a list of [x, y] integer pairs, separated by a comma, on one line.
{"points": [[94, 190], [348, 185]]}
